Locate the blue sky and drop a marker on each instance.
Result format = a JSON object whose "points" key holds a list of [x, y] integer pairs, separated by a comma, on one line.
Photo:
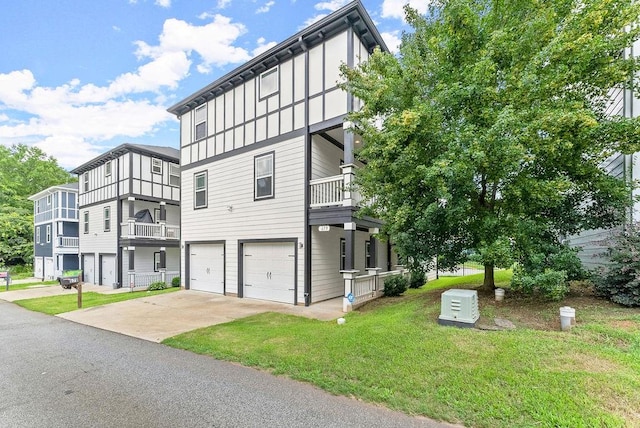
{"points": [[78, 77]]}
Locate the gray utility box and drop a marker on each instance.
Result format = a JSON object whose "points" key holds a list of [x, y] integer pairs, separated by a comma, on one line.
{"points": [[459, 308]]}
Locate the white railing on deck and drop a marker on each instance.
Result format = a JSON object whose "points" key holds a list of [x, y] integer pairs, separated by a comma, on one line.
{"points": [[370, 286], [142, 280], [150, 230], [68, 242], [326, 192]]}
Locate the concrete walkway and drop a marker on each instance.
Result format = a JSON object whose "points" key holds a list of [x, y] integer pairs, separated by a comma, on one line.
{"points": [[155, 318]]}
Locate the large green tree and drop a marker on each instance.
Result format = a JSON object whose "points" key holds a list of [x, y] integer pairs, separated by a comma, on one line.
{"points": [[24, 171], [486, 132]]}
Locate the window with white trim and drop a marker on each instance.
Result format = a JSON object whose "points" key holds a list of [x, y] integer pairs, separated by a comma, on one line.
{"points": [[60, 228], [86, 181], [201, 122], [156, 166], [174, 175], [107, 169], [48, 200], [48, 233], [200, 190], [263, 172], [85, 221], [37, 235], [107, 219], [269, 82]]}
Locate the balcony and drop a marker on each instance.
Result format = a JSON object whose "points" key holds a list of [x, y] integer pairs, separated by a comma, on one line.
{"points": [[335, 191], [67, 242], [159, 231]]}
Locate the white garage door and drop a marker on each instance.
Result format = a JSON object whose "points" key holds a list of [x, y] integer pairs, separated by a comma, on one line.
{"points": [[108, 270], [38, 267], [88, 264], [206, 267], [269, 271], [48, 268]]}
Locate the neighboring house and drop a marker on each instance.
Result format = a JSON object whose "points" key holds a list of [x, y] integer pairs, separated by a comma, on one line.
{"points": [[129, 213], [267, 161], [55, 240], [593, 243]]}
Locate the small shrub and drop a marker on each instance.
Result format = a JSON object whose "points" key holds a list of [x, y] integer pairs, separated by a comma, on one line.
{"points": [[395, 286], [418, 279], [175, 282], [159, 285], [550, 284], [619, 281]]}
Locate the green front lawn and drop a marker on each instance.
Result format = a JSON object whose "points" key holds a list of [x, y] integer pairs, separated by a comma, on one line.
{"points": [[54, 305], [393, 352], [13, 287]]}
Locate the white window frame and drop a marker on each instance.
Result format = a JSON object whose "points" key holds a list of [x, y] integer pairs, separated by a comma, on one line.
{"points": [[85, 222], [257, 177], [48, 233], [198, 120], [37, 235], [196, 190], [174, 171], [265, 90], [107, 169], [107, 219], [86, 181], [156, 261], [156, 166], [49, 200], [60, 228], [368, 260]]}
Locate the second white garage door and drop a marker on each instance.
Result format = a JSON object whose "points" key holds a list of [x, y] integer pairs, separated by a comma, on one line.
{"points": [[269, 271], [206, 267], [108, 270]]}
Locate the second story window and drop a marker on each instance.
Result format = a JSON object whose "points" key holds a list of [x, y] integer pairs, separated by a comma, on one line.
{"points": [[201, 122], [174, 175], [107, 169], [263, 170], [269, 82], [156, 166], [85, 221], [37, 235], [343, 254], [107, 219], [86, 181], [368, 261], [48, 233], [200, 190], [48, 200]]}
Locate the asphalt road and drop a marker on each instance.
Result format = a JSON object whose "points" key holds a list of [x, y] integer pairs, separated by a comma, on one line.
{"points": [[56, 373]]}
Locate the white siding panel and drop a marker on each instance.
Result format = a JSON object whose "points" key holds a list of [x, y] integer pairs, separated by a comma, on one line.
{"points": [[230, 183], [239, 137], [286, 83], [228, 140], [335, 104], [136, 186], [250, 99], [315, 70], [250, 133], [219, 144], [136, 165], [325, 158], [97, 240], [298, 116], [145, 188], [202, 150], [273, 125], [315, 110], [228, 110], [336, 54], [261, 107], [299, 78], [219, 114], [261, 129], [211, 147], [273, 103], [211, 117], [286, 120], [239, 105], [185, 129], [185, 156]]}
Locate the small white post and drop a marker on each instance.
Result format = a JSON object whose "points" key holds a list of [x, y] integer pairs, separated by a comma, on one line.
{"points": [[349, 279]]}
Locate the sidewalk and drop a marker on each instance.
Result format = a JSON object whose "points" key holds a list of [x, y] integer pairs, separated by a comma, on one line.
{"points": [[52, 290]]}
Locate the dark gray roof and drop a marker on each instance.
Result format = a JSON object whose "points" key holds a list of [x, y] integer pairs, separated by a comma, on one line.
{"points": [[71, 186], [352, 15], [53, 189], [166, 153]]}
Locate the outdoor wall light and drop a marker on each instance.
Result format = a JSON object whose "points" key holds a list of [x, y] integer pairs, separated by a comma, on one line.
{"points": [[229, 208]]}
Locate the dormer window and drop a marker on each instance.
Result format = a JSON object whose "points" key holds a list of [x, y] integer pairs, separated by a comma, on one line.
{"points": [[156, 166], [269, 82], [201, 122]]}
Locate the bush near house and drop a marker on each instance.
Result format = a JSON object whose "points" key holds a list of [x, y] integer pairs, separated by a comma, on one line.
{"points": [[418, 278], [159, 285], [395, 286], [175, 282]]}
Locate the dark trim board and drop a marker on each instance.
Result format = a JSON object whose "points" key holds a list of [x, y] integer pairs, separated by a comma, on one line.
{"points": [[124, 197], [187, 261], [341, 215], [148, 243], [241, 243]]}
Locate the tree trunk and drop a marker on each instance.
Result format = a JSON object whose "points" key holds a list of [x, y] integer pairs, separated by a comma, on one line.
{"points": [[489, 283]]}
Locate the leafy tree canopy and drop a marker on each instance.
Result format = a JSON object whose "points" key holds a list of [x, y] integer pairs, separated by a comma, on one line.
{"points": [[24, 171], [487, 131]]}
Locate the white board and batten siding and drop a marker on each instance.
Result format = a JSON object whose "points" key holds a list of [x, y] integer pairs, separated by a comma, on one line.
{"points": [[145, 182], [232, 213], [102, 186]]}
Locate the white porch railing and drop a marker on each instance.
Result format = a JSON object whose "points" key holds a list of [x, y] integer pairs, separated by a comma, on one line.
{"points": [[133, 230], [68, 242], [359, 289], [142, 280], [327, 191]]}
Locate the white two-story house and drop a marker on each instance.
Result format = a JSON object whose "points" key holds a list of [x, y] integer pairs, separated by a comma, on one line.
{"points": [[267, 160], [55, 240], [129, 216]]}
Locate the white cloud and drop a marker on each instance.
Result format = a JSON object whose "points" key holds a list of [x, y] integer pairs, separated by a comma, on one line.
{"points": [[331, 6], [116, 28], [394, 8], [163, 3], [266, 7], [392, 39], [312, 20], [223, 3], [262, 46]]}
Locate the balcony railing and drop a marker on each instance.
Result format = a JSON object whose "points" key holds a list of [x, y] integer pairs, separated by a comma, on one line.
{"points": [[326, 192], [142, 280], [359, 289], [68, 242], [160, 231]]}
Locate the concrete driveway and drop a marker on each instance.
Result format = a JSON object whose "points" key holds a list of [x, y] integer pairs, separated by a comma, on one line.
{"points": [[155, 318]]}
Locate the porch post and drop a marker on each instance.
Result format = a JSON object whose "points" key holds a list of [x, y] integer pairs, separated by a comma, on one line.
{"points": [[349, 282], [373, 246], [163, 264], [131, 221], [163, 220], [349, 241], [348, 195], [132, 266]]}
